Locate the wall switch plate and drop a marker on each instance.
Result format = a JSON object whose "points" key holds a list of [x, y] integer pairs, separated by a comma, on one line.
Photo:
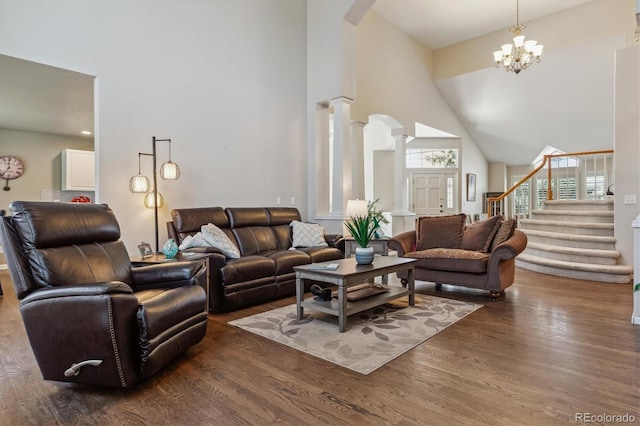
{"points": [[629, 199]]}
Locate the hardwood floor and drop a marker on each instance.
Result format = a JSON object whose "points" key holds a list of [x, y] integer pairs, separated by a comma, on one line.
{"points": [[552, 348]]}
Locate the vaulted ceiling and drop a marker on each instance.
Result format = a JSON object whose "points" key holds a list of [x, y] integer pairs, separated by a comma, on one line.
{"points": [[566, 101], [511, 118], [441, 23]]}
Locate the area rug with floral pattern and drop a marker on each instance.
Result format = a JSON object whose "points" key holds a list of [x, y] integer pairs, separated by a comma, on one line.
{"points": [[373, 337]]}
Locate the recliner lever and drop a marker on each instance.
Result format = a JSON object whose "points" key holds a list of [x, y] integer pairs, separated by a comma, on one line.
{"points": [[74, 370]]}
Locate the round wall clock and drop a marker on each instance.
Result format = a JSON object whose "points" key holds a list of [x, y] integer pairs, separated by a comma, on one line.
{"points": [[10, 168]]}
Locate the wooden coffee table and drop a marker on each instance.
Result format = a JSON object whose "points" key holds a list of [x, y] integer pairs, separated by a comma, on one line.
{"points": [[348, 274]]}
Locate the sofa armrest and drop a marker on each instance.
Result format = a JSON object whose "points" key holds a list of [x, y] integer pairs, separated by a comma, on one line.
{"points": [[510, 248], [207, 250], [335, 240], [167, 275], [89, 289], [216, 286], [403, 243], [173, 232]]}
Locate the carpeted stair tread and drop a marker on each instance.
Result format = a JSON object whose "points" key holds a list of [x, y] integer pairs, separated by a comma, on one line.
{"points": [[560, 223], [587, 267], [572, 237], [574, 251], [606, 213], [579, 204], [578, 275]]}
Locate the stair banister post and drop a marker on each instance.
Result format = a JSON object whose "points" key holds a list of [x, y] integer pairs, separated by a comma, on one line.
{"points": [[547, 159]]}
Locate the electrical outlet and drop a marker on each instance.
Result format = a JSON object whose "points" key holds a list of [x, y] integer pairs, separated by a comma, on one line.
{"points": [[629, 199]]}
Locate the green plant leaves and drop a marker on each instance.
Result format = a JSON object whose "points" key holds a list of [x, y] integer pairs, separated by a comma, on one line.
{"points": [[361, 229]]}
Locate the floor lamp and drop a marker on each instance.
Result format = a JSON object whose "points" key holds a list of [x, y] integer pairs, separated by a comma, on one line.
{"points": [[140, 183]]}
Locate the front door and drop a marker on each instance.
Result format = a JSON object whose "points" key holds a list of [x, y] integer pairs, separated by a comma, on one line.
{"points": [[433, 194]]}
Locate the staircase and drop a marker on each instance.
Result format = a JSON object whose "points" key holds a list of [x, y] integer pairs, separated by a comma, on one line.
{"points": [[573, 238]]}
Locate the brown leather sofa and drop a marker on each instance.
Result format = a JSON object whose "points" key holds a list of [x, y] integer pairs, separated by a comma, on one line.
{"points": [[489, 266], [90, 317], [264, 271]]}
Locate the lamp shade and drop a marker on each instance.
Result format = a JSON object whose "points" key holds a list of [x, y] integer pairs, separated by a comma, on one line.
{"points": [[170, 171], [139, 184], [356, 208], [149, 200]]}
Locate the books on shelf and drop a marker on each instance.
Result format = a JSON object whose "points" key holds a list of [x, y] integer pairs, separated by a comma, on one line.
{"points": [[361, 291]]}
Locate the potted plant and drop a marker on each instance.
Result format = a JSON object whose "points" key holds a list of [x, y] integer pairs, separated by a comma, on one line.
{"points": [[376, 217], [362, 229]]}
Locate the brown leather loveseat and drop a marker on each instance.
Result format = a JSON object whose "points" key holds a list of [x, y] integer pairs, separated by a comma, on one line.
{"points": [[480, 256], [263, 236]]}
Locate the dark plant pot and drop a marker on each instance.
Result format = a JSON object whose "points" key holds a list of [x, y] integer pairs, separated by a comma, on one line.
{"points": [[364, 255]]}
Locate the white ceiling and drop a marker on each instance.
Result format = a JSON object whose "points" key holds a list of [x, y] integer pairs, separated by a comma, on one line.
{"points": [[441, 23], [45, 99]]}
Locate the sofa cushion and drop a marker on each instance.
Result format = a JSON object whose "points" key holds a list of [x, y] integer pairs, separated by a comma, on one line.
{"points": [[189, 221], [505, 231], [248, 268], [440, 231], [456, 260], [255, 239], [307, 235], [323, 254], [282, 215], [286, 259], [479, 235]]}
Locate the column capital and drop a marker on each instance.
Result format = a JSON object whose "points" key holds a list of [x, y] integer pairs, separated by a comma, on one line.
{"points": [[341, 99]]}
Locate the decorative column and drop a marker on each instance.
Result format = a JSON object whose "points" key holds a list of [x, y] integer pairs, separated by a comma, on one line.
{"points": [[357, 159], [342, 174], [321, 173], [402, 218]]}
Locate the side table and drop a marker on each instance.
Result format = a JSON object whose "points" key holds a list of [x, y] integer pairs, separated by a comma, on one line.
{"points": [[380, 246], [180, 257]]}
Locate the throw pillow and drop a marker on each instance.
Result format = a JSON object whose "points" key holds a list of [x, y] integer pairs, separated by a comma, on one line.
{"points": [[215, 237], [478, 236], [440, 231], [307, 235], [195, 240], [505, 231]]}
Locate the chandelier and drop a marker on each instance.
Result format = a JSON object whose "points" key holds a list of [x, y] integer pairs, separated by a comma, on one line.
{"points": [[517, 56]]}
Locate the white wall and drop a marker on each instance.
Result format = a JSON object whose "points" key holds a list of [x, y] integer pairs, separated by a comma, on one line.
{"points": [[498, 177], [40, 154], [627, 148], [393, 78], [226, 80]]}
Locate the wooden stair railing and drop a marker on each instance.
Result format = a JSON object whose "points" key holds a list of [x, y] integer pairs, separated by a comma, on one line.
{"points": [[492, 201]]}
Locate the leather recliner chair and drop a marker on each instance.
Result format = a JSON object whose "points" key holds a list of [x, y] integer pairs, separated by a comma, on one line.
{"points": [[90, 317]]}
